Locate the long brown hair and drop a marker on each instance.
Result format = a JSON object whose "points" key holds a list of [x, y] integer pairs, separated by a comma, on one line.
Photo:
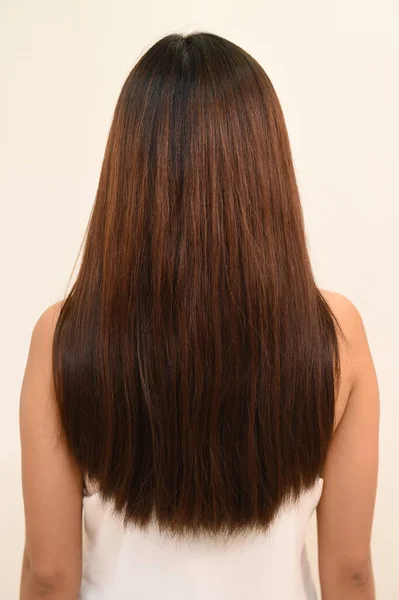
{"points": [[195, 361]]}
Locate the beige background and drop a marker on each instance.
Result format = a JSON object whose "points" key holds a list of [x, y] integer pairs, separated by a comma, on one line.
{"points": [[335, 66]]}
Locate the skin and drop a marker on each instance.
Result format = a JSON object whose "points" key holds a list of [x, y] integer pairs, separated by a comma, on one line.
{"points": [[345, 512], [53, 484]]}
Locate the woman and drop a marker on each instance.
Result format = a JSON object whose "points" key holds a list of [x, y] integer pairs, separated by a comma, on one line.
{"points": [[195, 393]]}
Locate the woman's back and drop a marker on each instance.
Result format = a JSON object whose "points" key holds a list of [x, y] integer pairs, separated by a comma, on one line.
{"points": [[129, 563]]}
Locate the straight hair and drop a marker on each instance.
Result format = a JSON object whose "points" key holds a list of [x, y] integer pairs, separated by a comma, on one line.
{"points": [[195, 361]]}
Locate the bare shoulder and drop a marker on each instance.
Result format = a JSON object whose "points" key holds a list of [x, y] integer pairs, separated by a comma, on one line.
{"points": [[351, 323], [46, 322], [354, 347], [39, 361], [346, 312], [50, 315]]}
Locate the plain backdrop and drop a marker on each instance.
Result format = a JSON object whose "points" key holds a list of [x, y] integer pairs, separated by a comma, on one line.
{"points": [[335, 66]]}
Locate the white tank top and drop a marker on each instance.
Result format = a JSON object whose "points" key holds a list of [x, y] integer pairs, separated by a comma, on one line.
{"points": [[129, 564]]}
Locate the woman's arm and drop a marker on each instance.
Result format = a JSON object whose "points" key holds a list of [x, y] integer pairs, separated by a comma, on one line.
{"points": [[345, 512], [52, 484]]}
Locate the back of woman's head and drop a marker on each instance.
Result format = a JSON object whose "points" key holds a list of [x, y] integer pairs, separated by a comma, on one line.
{"points": [[195, 361]]}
